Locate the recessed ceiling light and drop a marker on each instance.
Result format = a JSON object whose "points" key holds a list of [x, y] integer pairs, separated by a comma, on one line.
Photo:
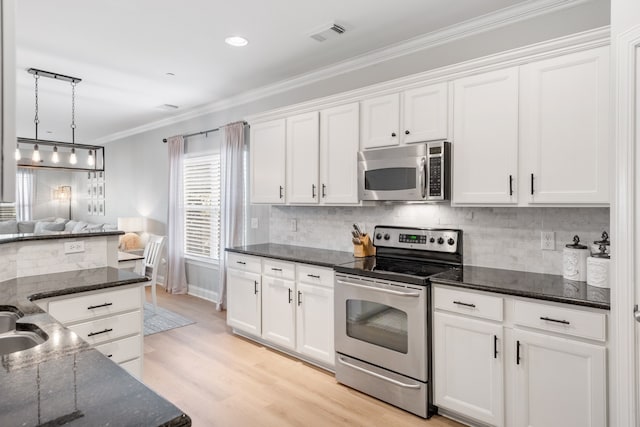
{"points": [[236, 41]]}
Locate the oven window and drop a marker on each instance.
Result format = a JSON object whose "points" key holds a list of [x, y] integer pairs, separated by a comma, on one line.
{"points": [[390, 179], [378, 324]]}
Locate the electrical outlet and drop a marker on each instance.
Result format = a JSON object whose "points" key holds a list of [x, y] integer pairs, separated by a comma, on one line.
{"points": [[547, 240], [254, 222], [293, 225], [73, 247]]}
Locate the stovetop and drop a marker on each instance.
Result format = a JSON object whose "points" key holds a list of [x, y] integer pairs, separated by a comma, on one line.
{"points": [[409, 254], [394, 269]]}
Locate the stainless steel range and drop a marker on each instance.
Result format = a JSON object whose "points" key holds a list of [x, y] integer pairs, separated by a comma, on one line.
{"points": [[383, 314]]}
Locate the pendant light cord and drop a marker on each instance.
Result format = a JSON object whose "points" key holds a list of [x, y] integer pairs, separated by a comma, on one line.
{"points": [[73, 112], [36, 119]]}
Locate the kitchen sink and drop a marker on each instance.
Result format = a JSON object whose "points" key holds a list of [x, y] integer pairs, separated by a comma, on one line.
{"points": [[8, 317], [13, 341]]}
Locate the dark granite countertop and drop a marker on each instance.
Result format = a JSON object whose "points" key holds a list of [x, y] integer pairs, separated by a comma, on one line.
{"points": [[314, 256], [547, 287], [23, 237], [64, 380]]}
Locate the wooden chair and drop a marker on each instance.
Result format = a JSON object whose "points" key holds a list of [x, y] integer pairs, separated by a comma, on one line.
{"points": [[151, 263]]}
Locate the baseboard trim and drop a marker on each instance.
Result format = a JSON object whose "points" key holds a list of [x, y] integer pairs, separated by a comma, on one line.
{"points": [[202, 293]]}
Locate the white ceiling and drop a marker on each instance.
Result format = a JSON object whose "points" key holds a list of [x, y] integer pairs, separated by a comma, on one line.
{"points": [[122, 49]]}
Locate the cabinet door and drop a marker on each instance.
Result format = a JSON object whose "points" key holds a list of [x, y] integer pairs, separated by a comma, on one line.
{"points": [[279, 312], [315, 322], [303, 158], [380, 121], [267, 153], [559, 382], [565, 127], [485, 138], [339, 138], [468, 367], [424, 113], [243, 301]]}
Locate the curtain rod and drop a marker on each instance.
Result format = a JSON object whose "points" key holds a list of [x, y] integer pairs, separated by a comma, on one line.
{"points": [[204, 132]]}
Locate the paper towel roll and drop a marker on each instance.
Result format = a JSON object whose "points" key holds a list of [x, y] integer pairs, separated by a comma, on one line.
{"points": [[574, 262]]}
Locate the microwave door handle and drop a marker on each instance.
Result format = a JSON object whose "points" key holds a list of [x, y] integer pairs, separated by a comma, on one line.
{"points": [[423, 178]]}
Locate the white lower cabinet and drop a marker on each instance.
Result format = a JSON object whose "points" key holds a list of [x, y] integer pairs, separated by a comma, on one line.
{"points": [[469, 361], [559, 382], [244, 306], [534, 364], [110, 319], [289, 305], [279, 312]]}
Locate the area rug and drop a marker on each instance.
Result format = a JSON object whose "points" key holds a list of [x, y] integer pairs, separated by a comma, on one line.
{"points": [[162, 320]]}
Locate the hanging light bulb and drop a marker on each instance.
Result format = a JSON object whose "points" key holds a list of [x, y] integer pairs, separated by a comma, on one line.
{"points": [[73, 159], [36, 154], [54, 157], [91, 160], [18, 156]]}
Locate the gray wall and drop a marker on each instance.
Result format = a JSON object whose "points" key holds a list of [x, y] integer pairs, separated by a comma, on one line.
{"points": [[137, 166]]}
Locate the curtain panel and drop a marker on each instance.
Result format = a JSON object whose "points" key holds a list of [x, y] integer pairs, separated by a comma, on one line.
{"points": [[232, 201], [176, 274]]}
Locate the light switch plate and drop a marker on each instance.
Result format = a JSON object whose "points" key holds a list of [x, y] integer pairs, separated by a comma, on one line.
{"points": [[293, 225], [74, 247], [254, 222], [547, 240]]}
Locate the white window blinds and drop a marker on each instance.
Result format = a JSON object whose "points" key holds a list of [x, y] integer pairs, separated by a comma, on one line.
{"points": [[202, 206]]}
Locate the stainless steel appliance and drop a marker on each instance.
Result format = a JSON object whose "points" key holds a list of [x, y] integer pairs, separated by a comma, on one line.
{"points": [[383, 314], [418, 172]]}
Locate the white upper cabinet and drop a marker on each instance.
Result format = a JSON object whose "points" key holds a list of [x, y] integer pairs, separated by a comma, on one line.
{"points": [[303, 158], [485, 138], [267, 152], [339, 138], [8, 99], [565, 128], [380, 121], [424, 115]]}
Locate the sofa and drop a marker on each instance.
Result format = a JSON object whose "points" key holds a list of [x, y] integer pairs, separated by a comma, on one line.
{"points": [[52, 225]]}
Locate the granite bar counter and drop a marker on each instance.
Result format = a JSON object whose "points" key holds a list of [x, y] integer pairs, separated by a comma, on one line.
{"points": [[64, 381], [314, 256], [547, 287], [30, 237]]}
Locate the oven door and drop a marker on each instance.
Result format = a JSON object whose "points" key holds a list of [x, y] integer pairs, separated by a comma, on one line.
{"points": [[392, 179], [382, 323]]}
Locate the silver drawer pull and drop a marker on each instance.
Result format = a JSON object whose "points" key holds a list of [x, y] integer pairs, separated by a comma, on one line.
{"points": [[385, 291], [548, 319], [465, 304], [382, 377]]}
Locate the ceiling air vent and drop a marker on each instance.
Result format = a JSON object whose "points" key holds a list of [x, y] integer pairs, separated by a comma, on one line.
{"points": [[328, 32]]}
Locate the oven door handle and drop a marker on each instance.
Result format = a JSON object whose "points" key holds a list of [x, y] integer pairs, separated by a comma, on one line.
{"points": [[375, 374], [386, 291]]}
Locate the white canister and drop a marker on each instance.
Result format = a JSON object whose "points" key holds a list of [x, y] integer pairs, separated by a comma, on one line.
{"points": [[574, 261], [598, 272]]}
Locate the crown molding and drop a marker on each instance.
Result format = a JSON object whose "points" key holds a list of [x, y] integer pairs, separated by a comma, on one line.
{"points": [[500, 18]]}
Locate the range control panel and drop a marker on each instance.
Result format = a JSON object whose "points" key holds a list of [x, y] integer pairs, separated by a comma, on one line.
{"points": [[426, 239]]}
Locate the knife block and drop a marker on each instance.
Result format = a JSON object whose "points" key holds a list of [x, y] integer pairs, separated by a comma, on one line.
{"points": [[365, 249]]}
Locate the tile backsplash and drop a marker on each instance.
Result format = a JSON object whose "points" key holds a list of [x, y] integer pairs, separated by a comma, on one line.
{"points": [[506, 238]]}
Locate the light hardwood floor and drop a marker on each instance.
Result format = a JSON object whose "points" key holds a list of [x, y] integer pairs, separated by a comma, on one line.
{"points": [[220, 379]]}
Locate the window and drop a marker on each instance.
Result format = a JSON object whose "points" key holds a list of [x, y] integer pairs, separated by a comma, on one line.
{"points": [[25, 192], [202, 206]]}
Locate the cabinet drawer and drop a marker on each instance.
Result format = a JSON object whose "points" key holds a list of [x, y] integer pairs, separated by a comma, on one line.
{"points": [[279, 269], [561, 319], [469, 303], [134, 367], [109, 328], [244, 262], [315, 275], [122, 350], [96, 305]]}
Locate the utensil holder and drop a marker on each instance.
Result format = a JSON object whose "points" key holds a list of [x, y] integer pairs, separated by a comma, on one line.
{"points": [[365, 249]]}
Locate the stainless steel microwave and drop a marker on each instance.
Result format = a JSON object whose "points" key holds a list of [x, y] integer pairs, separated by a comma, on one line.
{"points": [[417, 172]]}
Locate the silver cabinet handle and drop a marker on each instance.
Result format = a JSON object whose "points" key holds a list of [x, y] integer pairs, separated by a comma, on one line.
{"points": [[382, 377], [386, 291]]}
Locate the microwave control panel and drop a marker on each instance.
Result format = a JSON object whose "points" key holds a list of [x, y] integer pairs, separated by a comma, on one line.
{"points": [[438, 155]]}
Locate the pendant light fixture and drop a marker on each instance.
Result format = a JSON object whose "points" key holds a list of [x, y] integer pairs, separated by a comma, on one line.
{"points": [[55, 154]]}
